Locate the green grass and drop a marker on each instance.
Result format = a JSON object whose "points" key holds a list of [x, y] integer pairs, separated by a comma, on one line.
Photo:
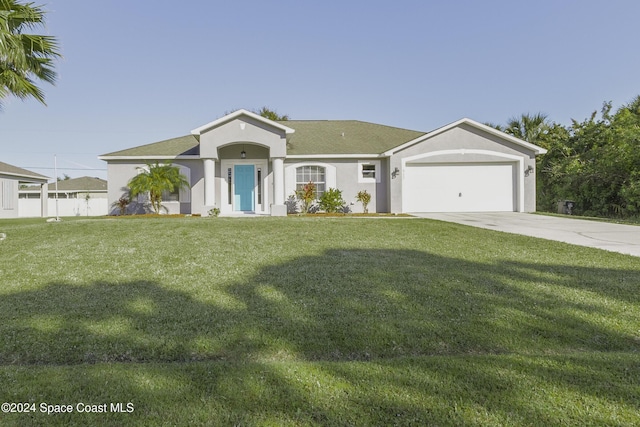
{"points": [[627, 221], [314, 321]]}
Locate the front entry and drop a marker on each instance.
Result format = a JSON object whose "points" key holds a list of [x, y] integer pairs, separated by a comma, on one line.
{"points": [[245, 183]]}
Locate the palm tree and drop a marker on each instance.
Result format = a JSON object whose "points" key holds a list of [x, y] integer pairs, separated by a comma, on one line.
{"points": [[270, 114], [24, 58], [156, 179], [527, 127], [495, 126]]}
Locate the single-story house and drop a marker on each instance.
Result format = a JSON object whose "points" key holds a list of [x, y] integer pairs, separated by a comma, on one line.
{"points": [[72, 188], [243, 163], [11, 178], [81, 196]]}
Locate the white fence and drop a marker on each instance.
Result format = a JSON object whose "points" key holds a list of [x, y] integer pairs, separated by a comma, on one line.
{"points": [[66, 207]]}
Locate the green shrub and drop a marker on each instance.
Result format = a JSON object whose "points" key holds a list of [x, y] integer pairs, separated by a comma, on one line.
{"points": [[331, 201]]}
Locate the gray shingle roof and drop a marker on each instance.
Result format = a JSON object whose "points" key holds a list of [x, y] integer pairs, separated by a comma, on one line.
{"points": [[310, 137], [181, 146], [8, 169], [85, 183], [344, 137]]}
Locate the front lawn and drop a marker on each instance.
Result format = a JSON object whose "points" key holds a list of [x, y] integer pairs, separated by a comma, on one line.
{"points": [[313, 321]]}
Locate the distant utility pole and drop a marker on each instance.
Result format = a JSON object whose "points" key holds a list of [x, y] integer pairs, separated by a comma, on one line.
{"points": [[55, 174]]}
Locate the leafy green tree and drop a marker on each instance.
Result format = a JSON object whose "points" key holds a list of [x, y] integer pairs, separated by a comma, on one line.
{"points": [[552, 179], [156, 179], [593, 173], [626, 133], [595, 162], [24, 58]]}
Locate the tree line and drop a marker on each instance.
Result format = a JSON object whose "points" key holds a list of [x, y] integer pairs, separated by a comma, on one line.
{"points": [[594, 162]]}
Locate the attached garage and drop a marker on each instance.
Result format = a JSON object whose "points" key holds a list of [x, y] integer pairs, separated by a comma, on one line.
{"points": [[463, 167], [465, 187]]}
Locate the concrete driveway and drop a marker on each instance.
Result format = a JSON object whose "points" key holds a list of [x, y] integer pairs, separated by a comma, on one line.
{"points": [[602, 235]]}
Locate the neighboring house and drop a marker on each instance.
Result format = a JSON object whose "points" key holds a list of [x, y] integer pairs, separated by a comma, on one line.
{"points": [[245, 163], [11, 178], [84, 196]]}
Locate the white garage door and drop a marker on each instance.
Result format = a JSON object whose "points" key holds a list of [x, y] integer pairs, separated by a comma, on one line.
{"points": [[477, 187]]}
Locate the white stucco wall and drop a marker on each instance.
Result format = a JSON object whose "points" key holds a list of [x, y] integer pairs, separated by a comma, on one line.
{"points": [[119, 172], [346, 176], [98, 206]]}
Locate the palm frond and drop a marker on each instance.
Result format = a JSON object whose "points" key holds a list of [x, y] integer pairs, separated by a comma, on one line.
{"points": [[25, 58], [155, 179]]}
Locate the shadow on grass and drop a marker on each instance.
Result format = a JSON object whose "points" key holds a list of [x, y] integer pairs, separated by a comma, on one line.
{"points": [[349, 337]]}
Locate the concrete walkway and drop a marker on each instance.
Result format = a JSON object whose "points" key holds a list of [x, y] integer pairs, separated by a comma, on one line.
{"points": [[602, 235]]}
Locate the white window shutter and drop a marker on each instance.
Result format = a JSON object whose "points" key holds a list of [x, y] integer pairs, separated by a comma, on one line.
{"points": [[8, 194]]}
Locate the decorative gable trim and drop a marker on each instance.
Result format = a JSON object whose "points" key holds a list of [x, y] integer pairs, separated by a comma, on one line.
{"points": [[235, 115], [536, 149]]}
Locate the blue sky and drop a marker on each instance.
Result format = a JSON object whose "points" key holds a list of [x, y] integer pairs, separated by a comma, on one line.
{"points": [[136, 72]]}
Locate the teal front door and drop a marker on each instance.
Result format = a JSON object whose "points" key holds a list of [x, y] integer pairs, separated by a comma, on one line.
{"points": [[245, 183]]}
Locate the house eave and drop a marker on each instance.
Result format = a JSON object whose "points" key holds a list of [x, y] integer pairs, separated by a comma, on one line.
{"points": [[292, 156], [334, 156], [27, 178], [151, 157]]}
